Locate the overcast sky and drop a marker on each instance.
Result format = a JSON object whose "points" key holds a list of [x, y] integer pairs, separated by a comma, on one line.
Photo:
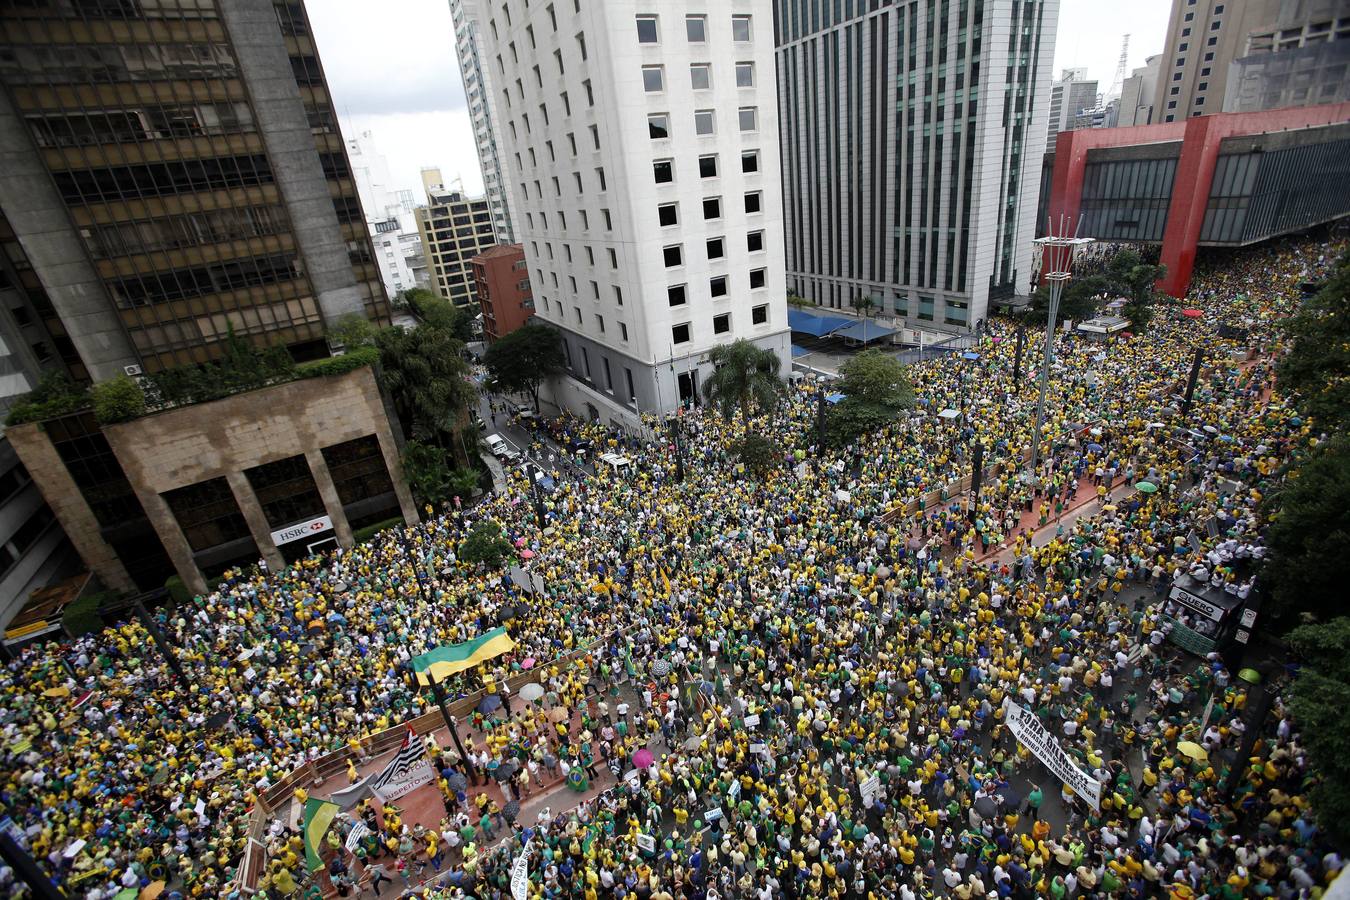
{"points": [[392, 71]]}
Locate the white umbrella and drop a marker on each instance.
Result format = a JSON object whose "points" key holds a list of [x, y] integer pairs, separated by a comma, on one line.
{"points": [[531, 692]]}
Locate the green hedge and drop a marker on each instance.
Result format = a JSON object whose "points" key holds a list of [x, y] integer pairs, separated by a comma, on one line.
{"points": [[118, 399], [361, 535], [339, 365], [81, 617]]}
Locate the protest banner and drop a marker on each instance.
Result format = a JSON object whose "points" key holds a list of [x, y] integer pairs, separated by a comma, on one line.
{"points": [[1027, 728]]}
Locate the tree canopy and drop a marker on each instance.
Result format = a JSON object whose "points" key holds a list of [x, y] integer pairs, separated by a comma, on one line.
{"points": [[427, 379], [438, 312], [1124, 275], [745, 377], [524, 359], [876, 391], [1317, 368], [1319, 699]]}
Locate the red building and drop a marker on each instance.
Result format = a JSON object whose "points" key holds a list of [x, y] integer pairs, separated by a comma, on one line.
{"points": [[503, 284], [1224, 180]]}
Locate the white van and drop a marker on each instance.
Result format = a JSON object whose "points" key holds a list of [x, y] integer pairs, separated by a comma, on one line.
{"points": [[500, 448], [620, 464]]}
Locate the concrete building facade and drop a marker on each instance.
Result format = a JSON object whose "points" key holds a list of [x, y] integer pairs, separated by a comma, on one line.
{"points": [[1073, 93], [175, 175], [484, 114], [1203, 39], [913, 138], [274, 474], [502, 279], [1299, 59], [454, 229], [1137, 94], [641, 152]]}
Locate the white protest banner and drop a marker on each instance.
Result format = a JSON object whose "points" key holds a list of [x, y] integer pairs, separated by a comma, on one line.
{"points": [[713, 814], [735, 791], [1027, 728], [646, 843], [762, 749], [752, 721], [520, 874], [358, 832], [870, 788]]}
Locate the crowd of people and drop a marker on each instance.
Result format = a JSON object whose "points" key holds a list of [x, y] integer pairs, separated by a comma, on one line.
{"points": [[872, 639]]}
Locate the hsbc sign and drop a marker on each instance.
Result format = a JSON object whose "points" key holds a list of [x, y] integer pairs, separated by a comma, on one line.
{"points": [[302, 530]]}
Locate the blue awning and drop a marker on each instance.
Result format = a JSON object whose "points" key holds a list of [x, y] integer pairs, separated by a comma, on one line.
{"points": [[866, 331], [799, 351], [816, 326], [833, 398]]}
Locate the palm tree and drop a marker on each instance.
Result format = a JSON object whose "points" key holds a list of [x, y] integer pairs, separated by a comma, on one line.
{"points": [[744, 376]]}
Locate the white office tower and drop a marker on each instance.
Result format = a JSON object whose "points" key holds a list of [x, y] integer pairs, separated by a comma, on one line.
{"points": [[640, 149], [483, 114], [912, 137]]}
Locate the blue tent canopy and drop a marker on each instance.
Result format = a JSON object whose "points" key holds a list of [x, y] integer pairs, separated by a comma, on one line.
{"points": [[816, 326], [866, 331], [833, 398], [799, 351]]}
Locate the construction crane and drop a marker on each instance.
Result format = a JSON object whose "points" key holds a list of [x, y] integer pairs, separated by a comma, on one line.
{"points": [[1118, 83]]}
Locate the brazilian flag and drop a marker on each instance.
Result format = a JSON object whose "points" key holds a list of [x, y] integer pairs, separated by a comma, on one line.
{"points": [[319, 815]]}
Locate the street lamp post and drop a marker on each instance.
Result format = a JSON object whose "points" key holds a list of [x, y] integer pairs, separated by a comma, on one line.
{"points": [[679, 454], [157, 636], [439, 693], [1055, 253]]}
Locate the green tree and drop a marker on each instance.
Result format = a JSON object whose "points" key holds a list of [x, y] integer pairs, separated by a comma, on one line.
{"points": [[428, 475], [118, 399], [757, 453], [55, 395], [863, 304], [524, 359], [484, 544], [438, 312], [1307, 568], [744, 377], [427, 380], [797, 300], [1319, 698], [876, 392], [1317, 368], [1130, 277], [352, 331]]}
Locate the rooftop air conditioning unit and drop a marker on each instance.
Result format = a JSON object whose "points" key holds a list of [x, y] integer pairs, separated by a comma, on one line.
{"points": [[133, 371]]}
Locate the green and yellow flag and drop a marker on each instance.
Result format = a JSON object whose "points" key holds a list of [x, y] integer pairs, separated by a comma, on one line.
{"points": [[319, 815], [448, 659]]}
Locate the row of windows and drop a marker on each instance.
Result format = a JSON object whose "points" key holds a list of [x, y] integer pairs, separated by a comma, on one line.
{"points": [[163, 287], [663, 170], [680, 333], [109, 63], [140, 124], [158, 179], [186, 230], [700, 76], [695, 29], [678, 294]]}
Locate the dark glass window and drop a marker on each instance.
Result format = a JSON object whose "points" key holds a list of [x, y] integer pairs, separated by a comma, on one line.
{"points": [[357, 469], [159, 179], [286, 491], [208, 513]]}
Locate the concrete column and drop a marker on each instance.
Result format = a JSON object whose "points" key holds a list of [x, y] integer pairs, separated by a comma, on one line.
{"points": [[265, 69], [42, 223], [256, 519], [175, 542], [332, 503], [53, 480]]}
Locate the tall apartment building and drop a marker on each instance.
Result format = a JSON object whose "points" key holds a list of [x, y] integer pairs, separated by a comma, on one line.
{"points": [[913, 137], [174, 171], [1301, 58], [641, 154], [1069, 97], [1138, 94], [484, 115], [1203, 39], [171, 174], [390, 218], [502, 279], [454, 229]]}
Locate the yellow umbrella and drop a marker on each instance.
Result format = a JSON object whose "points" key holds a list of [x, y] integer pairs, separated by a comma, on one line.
{"points": [[61, 691], [1193, 750], [152, 890]]}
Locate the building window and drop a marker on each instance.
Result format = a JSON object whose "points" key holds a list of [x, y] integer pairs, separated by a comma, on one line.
{"points": [[696, 28], [646, 29], [663, 170], [757, 278], [658, 126], [754, 241], [600, 323], [668, 214], [716, 250], [613, 258], [749, 118], [752, 202], [745, 74], [740, 28], [590, 94], [623, 332], [750, 161], [609, 222], [618, 295], [653, 78], [712, 208], [673, 256], [600, 176], [677, 295], [1202, 85], [707, 166], [679, 334], [759, 315], [704, 122], [700, 76], [722, 323], [717, 286]]}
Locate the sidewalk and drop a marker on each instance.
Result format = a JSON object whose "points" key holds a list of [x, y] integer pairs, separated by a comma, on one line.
{"points": [[1085, 505]]}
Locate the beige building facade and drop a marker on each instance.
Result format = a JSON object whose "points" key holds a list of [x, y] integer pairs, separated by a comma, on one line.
{"points": [[275, 474]]}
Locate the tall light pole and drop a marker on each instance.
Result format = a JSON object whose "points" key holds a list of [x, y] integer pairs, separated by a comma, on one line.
{"points": [[1055, 254]]}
